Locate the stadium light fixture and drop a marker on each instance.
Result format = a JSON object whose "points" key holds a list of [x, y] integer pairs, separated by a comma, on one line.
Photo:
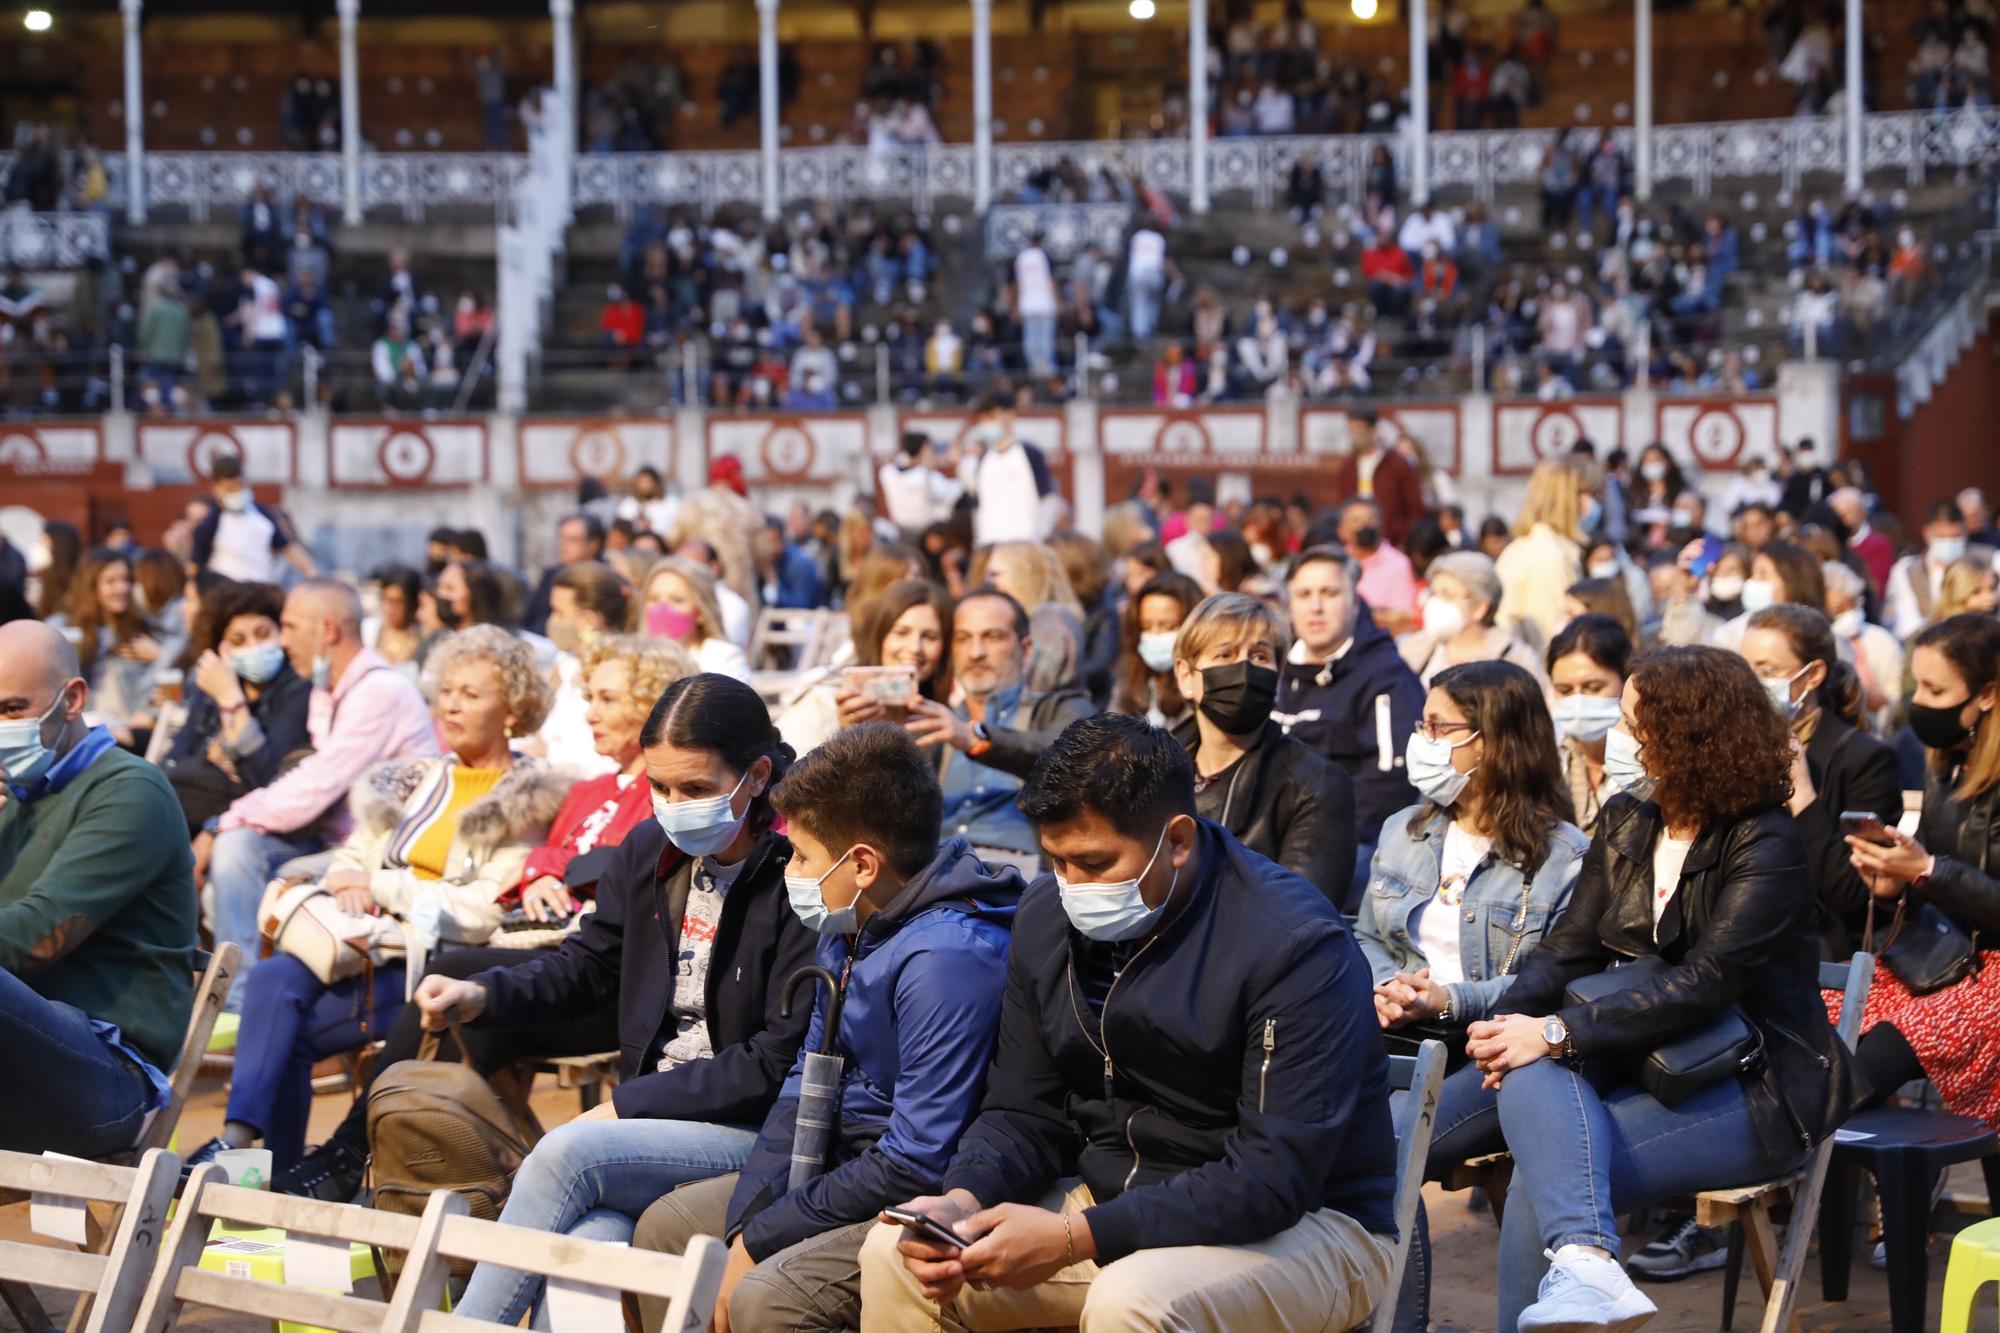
{"points": [[1141, 9], [1364, 9], [37, 20]]}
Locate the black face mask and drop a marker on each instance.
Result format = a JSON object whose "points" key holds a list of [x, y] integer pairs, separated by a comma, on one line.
{"points": [[1368, 538], [1238, 697], [1939, 728], [448, 615]]}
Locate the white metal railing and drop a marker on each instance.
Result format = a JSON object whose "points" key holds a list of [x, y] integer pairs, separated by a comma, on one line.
{"points": [[53, 240], [1475, 163], [1067, 229]]}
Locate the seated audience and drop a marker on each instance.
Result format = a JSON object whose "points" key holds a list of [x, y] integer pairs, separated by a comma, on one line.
{"points": [[1587, 664], [1346, 693], [1558, 515], [1459, 608], [586, 601], [1146, 685], [119, 648], [903, 626], [987, 743], [246, 708], [394, 633], [677, 601], [363, 712], [1693, 877], [97, 913], [1876, 653], [701, 1027], [1915, 587], [1279, 798], [436, 844], [1239, 1169], [918, 934]]}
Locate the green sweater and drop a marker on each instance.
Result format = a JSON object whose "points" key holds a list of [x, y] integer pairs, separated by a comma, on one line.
{"points": [[97, 901]]}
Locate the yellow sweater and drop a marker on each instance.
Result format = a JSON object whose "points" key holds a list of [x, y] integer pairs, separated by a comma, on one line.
{"points": [[463, 786]]}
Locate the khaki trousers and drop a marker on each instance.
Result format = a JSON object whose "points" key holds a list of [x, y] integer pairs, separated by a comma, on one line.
{"points": [[1323, 1275]]}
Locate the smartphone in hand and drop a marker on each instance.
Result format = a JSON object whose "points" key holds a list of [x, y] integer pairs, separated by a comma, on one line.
{"points": [[928, 1227], [1867, 825]]}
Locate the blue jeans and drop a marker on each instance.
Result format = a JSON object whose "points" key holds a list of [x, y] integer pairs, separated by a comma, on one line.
{"points": [[1588, 1147], [242, 862], [1038, 343], [70, 1091], [1144, 294], [592, 1178], [292, 1022]]}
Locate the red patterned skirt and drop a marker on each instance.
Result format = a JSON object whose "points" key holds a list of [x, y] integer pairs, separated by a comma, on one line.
{"points": [[1955, 1033]]}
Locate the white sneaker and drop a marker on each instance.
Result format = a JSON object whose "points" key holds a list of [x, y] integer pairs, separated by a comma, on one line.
{"points": [[1584, 1292]]}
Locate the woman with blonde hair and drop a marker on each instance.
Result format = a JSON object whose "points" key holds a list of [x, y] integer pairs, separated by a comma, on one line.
{"points": [[1032, 574], [1558, 515], [677, 601], [1969, 585]]}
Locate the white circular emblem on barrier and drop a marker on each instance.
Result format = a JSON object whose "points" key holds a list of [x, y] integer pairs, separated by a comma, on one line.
{"points": [[406, 456], [787, 451], [1716, 436]]}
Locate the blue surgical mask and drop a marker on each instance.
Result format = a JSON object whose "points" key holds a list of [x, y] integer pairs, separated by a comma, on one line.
{"points": [[1430, 768], [1157, 650], [1622, 768], [257, 665], [1944, 550], [1781, 693], [1112, 912], [700, 828], [322, 670], [22, 754], [1586, 717], [1592, 515], [811, 906]]}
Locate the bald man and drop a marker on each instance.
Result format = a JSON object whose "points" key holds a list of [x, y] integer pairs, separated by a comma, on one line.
{"points": [[363, 712], [97, 914]]}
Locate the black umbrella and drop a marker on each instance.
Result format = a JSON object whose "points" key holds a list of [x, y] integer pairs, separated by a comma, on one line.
{"points": [[819, 1085]]}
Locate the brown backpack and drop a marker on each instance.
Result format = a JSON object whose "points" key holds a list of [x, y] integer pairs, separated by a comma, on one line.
{"points": [[435, 1124]]}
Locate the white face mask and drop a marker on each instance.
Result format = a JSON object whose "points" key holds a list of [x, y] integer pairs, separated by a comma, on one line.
{"points": [[1586, 717], [1157, 650], [1431, 771], [1115, 911], [1758, 594], [1780, 691], [234, 501], [1442, 618], [1622, 768], [1848, 624], [810, 904], [1726, 587], [1604, 569]]}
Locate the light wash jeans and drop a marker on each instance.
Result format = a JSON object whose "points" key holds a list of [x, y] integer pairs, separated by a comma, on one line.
{"points": [[1586, 1150], [242, 862], [1038, 343], [593, 1178]]}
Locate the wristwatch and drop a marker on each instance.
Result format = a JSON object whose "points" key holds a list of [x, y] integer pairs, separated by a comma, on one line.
{"points": [[1556, 1033], [982, 741]]}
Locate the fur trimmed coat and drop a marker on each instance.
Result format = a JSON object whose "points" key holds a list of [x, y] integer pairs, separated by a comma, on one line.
{"points": [[489, 848]]}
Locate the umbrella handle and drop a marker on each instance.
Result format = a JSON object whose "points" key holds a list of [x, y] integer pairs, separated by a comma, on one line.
{"points": [[814, 972]]}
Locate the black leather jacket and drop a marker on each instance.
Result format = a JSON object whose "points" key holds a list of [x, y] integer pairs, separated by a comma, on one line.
{"points": [[1015, 749], [1961, 834], [1287, 802], [1743, 928], [1851, 770]]}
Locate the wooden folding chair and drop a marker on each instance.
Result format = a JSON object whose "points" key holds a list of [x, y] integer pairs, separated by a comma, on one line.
{"points": [[211, 989], [688, 1282], [1750, 1206], [1421, 1075], [179, 1279], [777, 628], [111, 1281]]}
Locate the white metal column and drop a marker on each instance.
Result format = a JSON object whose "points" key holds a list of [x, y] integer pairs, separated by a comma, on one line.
{"points": [[982, 105], [767, 101], [1420, 101], [1197, 105], [1854, 102], [135, 117], [350, 113], [1642, 99], [562, 55]]}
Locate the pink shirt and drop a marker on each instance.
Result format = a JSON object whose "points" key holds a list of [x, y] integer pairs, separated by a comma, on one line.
{"points": [[1388, 581], [372, 714]]}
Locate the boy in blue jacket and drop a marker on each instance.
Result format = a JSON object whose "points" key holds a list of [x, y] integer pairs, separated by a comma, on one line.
{"points": [[917, 933]]}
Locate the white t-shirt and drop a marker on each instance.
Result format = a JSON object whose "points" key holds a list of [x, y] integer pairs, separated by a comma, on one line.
{"points": [[1009, 505], [1035, 282], [267, 310], [1669, 855], [1147, 256], [1437, 931], [917, 497], [736, 617], [246, 545]]}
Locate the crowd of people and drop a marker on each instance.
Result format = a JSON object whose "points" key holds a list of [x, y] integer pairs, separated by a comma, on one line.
{"points": [[1265, 793]]}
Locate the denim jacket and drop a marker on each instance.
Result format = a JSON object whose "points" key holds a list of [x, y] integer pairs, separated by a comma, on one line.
{"points": [[1502, 918]]}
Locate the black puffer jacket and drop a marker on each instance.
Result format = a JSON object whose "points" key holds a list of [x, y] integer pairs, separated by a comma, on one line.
{"points": [[1850, 770], [1283, 801], [1961, 834], [1737, 931]]}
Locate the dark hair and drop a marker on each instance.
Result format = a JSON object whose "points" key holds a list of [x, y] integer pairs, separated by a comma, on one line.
{"points": [[1520, 779], [1134, 774], [441, 536], [1137, 685], [1805, 582], [1020, 612], [1810, 636], [993, 400], [65, 549], [225, 466], [1971, 643], [88, 616], [597, 588], [401, 577], [1320, 555], [1708, 735], [1944, 511], [878, 615], [913, 443], [1495, 526], [1600, 638], [867, 784], [593, 527], [1152, 555], [471, 541], [488, 593], [725, 717], [228, 600], [1234, 563], [161, 575], [1607, 597]]}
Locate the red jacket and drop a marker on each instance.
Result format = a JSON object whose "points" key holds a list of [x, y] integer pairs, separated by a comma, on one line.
{"points": [[1385, 263], [1398, 492], [635, 807], [624, 323]]}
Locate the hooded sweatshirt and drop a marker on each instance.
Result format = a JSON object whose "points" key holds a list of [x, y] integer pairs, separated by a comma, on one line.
{"points": [[923, 981]]}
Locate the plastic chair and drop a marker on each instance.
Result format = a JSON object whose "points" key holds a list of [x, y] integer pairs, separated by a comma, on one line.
{"points": [[1975, 1261], [1905, 1150]]}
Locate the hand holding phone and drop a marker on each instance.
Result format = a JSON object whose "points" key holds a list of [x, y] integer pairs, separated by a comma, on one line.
{"points": [[928, 1227], [1867, 825]]}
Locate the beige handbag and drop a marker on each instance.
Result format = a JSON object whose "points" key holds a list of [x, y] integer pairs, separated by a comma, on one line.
{"points": [[306, 921]]}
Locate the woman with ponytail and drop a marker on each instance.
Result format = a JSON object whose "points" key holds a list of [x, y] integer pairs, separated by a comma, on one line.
{"points": [[1934, 1011], [1836, 765], [693, 939]]}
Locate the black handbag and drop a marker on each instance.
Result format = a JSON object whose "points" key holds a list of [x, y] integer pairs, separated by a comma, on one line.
{"points": [[1728, 1047], [1926, 949]]}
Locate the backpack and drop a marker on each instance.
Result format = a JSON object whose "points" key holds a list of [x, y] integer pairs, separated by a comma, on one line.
{"points": [[435, 1124]]}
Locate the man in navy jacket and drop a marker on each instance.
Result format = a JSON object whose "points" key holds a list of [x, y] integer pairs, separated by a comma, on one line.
{"points": [[1187, 1120], [917, 935]]}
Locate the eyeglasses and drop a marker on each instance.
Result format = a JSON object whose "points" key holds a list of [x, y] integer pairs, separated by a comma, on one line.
{"points": [[1437, 731]]}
